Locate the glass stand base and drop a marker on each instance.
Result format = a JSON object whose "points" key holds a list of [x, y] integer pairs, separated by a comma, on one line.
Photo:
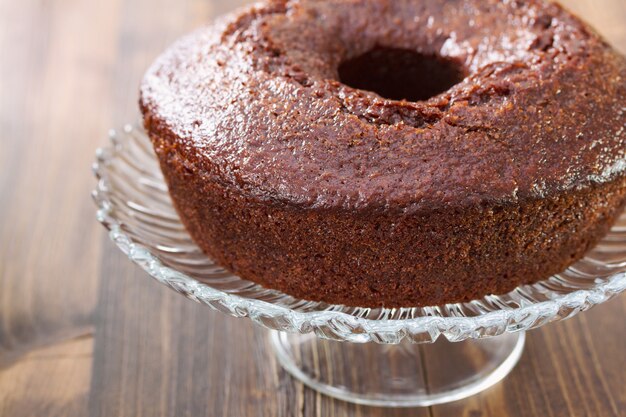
{"points": [[403, 375]]}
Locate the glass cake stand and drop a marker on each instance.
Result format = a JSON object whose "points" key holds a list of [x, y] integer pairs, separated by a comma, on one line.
{"points": [[375, 356]]}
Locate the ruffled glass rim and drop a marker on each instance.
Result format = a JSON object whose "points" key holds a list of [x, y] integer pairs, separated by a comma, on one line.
{"points": [[133, 204]]}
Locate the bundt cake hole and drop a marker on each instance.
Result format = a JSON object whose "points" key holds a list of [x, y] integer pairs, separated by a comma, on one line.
{"points": [[401, 74]]}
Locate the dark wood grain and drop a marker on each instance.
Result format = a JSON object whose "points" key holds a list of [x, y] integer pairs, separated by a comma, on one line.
{"points": [[84, 332], [54, 106]]}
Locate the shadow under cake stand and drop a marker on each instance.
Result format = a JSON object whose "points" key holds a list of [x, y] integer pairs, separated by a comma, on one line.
{"points": [[396, 357]]}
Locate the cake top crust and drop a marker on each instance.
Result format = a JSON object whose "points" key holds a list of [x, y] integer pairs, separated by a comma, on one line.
{"points": [[257, 101]]}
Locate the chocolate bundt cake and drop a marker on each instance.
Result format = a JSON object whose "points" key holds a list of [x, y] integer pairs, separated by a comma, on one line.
{"points": [[392, 152]]}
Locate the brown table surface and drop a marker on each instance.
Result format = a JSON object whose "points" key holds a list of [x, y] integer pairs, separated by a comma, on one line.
{"points": [[85, 332]]}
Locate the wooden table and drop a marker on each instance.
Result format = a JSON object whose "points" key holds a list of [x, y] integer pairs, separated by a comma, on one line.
{"points": [[85, 332]]}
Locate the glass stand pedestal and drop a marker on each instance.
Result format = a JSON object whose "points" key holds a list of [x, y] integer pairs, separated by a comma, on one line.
{"points": [[402, 375]]}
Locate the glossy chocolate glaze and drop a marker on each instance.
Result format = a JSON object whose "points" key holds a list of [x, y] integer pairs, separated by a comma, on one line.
{"points": [[250, 120]]}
